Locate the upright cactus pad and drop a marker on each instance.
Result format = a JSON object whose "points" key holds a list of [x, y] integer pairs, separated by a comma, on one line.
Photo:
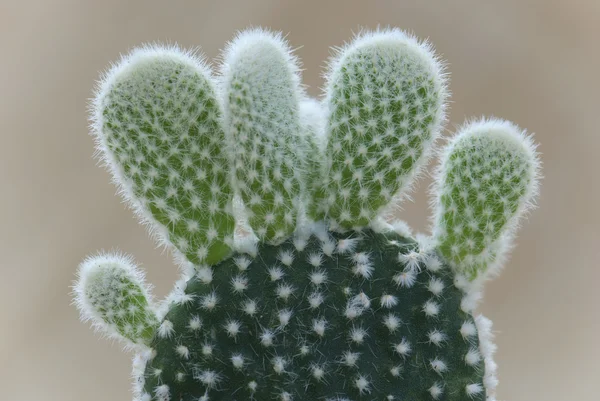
{"points": [[385, 99], [158, 126], [262, 94], [296, 287]]}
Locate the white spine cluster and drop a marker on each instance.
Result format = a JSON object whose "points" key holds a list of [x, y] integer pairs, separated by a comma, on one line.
{"points": [[261, 85], [385, 102], [487, 180], [111, 293]]}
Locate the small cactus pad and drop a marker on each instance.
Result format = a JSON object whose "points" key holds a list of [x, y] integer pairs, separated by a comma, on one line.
{"points": [[111, 292], [158, 125], [363, 316], [487, 179], [386, 96], [262, 95]]}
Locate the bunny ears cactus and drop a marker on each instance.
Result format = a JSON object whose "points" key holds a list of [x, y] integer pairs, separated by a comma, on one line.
{"points": [[236, 172]]}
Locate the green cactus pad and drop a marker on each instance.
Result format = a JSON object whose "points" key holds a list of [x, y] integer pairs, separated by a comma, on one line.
{"points": [[262, 95], [111, 293], [486, 181], [159, 126], [386, 96], [363, 316]]}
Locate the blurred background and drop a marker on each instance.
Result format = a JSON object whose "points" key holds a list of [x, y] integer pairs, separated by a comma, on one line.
{"points": [[534, 62]]}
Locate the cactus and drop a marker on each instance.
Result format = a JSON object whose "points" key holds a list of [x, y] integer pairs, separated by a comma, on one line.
{"points": [[295, 284]]}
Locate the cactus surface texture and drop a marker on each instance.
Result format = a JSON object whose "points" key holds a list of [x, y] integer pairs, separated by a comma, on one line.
{"points": [[296, 282]]}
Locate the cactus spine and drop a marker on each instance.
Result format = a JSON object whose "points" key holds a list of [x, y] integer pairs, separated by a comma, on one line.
{"points": [[297, 287]]}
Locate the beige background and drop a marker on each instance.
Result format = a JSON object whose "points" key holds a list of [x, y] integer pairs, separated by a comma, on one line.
{"points": [[534, 62]]}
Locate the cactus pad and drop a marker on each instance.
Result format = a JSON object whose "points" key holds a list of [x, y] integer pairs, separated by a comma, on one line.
{"points": [[359, 316]]}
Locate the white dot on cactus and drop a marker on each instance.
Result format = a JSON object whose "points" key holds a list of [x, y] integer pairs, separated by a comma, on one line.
{"points": [[209, 302], [315, 300], [357, 335], [285, 396], [473, 389], [396, 371], [249, 307], [207, 349], [166, 330], [157, 372], [237, 360], [357, 305], [299, 244], [315, 259], [403, 348], [183, 351], [361, 258], [195, 323], [239, 283], [436, 286], [410, 260], [284, 317], [347, 245], [284, 291], [275, 273], [392, 322], [180, 376], [436, 337], [286, 257], [319, 326], [267, 337], [431, 308], [242, 262], [162, 392], [252, 386], [350, 358], [364, 270], [279, 365], [328, 247], [472, 357], [317, 372], [318, 277], [232, 328], [436, 391], [405, 279], [388, 301], [304, 349], [184, 298], [362, 384], [438, 365], [468, 329]]}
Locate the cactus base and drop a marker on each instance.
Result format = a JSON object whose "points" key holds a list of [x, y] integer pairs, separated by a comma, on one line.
{"points": [[347, 316]]}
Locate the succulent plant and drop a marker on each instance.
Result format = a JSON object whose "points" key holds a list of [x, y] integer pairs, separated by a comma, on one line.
{"points": [[297, 283]]}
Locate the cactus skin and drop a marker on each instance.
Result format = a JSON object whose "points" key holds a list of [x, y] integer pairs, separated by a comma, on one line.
{"points": [[111, 292], [262, 94], [382, 315], [157, 124], [386, 98], [221, 349]]}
